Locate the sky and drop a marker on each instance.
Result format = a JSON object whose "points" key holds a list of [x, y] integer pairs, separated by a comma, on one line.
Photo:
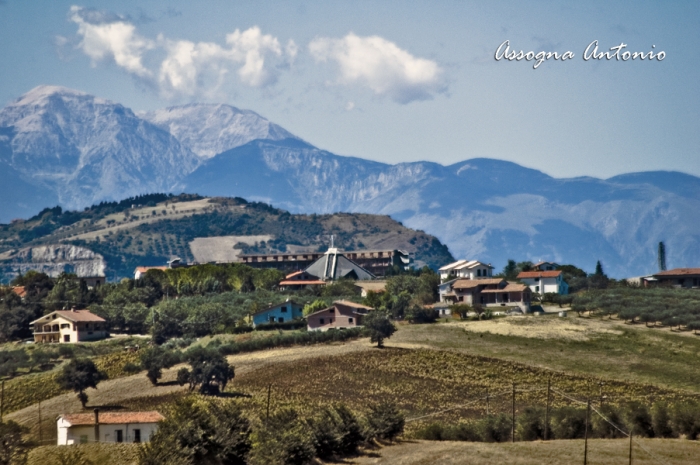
{"points": [[391, 81]]}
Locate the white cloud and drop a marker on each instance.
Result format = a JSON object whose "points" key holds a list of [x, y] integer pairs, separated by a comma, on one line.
{"points": [[109, 36], [380, 65], [186, 68]]}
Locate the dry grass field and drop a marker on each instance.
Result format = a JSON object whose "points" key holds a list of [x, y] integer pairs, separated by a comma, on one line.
{"points": [[594, 347], [600, 452]]}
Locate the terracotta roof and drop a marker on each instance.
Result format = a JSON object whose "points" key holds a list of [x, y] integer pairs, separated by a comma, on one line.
{"points": [[299, 282], [291, 275], [113, 418], [144, 269], [472, 283], [347, 303], [511, 287], [538, 274], [679, 272], [19, 290], [75, 316], [371, 285]]}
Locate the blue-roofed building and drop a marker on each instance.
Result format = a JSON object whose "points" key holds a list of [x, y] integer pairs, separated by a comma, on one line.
{"points": [[278, 313]]}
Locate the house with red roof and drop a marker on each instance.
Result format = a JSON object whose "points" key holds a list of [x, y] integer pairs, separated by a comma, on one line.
{"points": [[342, 314], [69, 326], [488, 292], [544, 282], [129, 427], [679, 277]]}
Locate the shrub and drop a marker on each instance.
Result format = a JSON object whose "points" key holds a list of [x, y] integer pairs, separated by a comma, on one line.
{"points": [[384, 421], [197, 431], [661, 421], [336, 430], [530, 424], [569, 423], [685, 419], [639, 420], [132, 368], [283, 439], [603, 429], [495, 428]]}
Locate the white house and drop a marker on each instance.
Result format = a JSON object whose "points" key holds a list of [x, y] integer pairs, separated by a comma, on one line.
{"points": [[81, 428], [467, 269], [69, 326], [545, 266], [544, 282]]}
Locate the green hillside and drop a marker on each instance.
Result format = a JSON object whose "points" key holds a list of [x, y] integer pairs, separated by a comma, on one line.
{"points": [[150, 229]]}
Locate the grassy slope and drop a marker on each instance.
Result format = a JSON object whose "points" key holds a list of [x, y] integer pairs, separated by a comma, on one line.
{"points": [[609, 348], [600, 452]]}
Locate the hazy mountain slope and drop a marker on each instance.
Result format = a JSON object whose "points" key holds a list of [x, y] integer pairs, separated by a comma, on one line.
{"points": [[87, 149], [486, 209], [209, 129]]}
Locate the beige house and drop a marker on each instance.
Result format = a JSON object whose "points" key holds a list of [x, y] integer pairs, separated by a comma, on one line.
{"points": [[489, 292], [69, 326], [132, 427], [342, 314], [367, 286]]}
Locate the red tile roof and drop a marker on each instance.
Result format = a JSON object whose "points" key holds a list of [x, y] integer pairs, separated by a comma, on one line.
{"points": [[19, 290], [291, 275], [113, 418], [511, 287], [300, 282], [472, 283], [679, 272], [538, 274], [347, 303], [144, 269]]}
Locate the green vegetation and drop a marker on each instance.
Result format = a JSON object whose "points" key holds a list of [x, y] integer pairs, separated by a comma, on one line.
{"points": [[160, 226], [378, 326], [78, 375], [13, 445], [673, 308]]}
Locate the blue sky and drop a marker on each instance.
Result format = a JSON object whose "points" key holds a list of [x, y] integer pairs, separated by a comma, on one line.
{"points": [[390, 81]]}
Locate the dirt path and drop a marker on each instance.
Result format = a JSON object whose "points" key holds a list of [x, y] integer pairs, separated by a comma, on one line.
{"points": [[113, 392]]}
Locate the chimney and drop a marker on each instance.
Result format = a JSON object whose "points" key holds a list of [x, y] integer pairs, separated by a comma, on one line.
{"points": [[97, 425], [72, 309]]}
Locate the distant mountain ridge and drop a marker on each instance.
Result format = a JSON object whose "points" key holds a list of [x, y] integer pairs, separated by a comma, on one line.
{"points": [[76, 150]]}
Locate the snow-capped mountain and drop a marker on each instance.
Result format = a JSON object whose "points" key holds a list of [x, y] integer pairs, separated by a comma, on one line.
{"points": [[86, 149], [62, 146], [209, 129]]}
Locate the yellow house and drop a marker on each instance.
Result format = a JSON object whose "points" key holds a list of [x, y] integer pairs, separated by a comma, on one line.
{"points": [[69, 326]]}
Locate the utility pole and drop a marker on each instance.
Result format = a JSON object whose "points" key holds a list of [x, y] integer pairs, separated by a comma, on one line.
{"points": [[585, 438], [601, 384], [2, 401], [487, 402], [269, 390], [513, 421], [630, 446], [546, 412]]}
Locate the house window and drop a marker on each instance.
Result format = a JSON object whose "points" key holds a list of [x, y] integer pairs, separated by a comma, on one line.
{"points": [[65, 325], [478, 272], [283, 309], [321, 321], [537, 280], [537, 288], [350, 320], [330, 320], [280, 319], [120, 435], [272, 319], [83, 439], [66, 338], [137, 435]]}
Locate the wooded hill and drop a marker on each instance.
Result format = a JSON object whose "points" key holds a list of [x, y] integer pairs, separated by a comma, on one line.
{"points": [[150, 229]]}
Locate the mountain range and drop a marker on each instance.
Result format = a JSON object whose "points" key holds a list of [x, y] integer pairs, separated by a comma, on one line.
{"points": [[60, 146]]}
